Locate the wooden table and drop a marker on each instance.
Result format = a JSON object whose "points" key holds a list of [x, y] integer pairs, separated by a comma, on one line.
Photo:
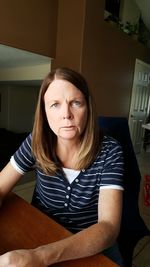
{"points": [[23, 226]]}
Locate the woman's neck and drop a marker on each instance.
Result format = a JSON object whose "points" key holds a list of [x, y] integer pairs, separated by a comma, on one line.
{"points": [[67, 153]]}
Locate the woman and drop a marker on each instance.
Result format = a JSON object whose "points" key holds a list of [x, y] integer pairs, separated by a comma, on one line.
{"points": [[78, 174]]}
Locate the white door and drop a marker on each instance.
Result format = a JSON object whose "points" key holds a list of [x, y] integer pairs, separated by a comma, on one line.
{"points": [[140, 102]]}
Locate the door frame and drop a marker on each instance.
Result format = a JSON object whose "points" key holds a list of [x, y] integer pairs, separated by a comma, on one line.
{"points": [[138, 61]]}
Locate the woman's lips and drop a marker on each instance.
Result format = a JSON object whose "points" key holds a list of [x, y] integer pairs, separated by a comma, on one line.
{"points": [[68, 127]]}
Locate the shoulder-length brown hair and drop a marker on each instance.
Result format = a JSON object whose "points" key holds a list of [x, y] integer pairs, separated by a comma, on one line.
{"points": [[44, 139]]}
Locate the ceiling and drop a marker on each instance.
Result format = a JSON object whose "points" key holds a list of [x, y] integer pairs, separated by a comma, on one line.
{"points": [[13, 57]]}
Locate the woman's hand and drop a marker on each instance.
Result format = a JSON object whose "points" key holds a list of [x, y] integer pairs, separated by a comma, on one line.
{"points": [[21, 258]]}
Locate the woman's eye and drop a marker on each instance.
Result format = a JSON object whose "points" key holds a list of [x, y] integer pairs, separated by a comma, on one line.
{"points": [[54, 105], [76, 103]]}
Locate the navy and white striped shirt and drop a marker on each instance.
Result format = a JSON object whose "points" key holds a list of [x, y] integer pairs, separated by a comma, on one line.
{"points": [[75, 205]]}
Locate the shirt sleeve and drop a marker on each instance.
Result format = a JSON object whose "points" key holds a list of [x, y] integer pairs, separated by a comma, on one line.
{"points": [[23, 159], [113, 168]]}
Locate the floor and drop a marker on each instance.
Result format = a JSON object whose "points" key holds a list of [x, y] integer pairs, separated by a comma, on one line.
{"points": [[142, 251], [25, 190]]}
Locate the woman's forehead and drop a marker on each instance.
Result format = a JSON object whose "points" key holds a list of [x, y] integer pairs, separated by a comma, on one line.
{"points": [[60, 88]]}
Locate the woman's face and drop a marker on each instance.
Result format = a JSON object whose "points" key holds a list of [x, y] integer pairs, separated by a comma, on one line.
{"points": [[66, 110]]}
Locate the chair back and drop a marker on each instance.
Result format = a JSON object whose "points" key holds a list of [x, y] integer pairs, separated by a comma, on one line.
{"points": [[133, 227]]}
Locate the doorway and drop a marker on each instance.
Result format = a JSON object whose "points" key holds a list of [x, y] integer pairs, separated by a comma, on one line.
{"points": [[140, 103]]}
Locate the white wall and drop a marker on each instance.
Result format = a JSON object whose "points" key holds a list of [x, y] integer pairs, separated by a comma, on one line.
{"points": [[129, 11], [25, 73]]}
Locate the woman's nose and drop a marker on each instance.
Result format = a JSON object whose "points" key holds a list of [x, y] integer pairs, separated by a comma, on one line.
{"points": [[66, 112]]}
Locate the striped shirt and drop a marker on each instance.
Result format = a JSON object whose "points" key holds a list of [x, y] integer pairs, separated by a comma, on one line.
{"points": [[75, 205]]}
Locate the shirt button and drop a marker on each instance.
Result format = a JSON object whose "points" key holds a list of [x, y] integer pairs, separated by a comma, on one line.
{"points": [[77, 180], [68, 187], [67, 196], [65, 204]]}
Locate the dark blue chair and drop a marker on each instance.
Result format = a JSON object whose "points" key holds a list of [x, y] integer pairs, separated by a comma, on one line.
{"points": [[133, 227]]}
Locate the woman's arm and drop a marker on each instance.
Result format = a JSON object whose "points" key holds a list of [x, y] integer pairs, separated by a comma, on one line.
{"points": [[93, 239], [8, 178]]}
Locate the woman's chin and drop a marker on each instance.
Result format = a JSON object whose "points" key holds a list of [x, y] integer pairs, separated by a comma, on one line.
{"points": [[69, 136]]}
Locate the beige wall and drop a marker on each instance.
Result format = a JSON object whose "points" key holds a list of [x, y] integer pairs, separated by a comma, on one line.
{"points": [[106, 56], [29, 24]]}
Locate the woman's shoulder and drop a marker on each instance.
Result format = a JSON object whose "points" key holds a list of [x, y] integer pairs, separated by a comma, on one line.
{"points": [[109, 148], [109, 145], [110, 141], [29, 136], [27, 141]]}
